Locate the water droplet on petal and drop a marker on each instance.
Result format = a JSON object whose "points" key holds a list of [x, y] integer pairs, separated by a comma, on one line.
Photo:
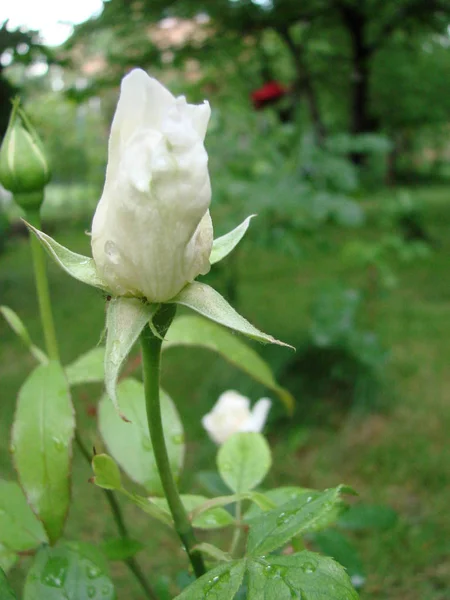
{"points": [[112, 252]]}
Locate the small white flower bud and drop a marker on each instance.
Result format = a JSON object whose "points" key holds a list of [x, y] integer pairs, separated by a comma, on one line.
{"points": [[231, 414]]}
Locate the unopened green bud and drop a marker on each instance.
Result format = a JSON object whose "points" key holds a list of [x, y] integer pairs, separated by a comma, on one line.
{"points": [[24, 168]]}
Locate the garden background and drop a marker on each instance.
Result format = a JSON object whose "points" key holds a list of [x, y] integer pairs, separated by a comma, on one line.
{"points": [[330, 121]]}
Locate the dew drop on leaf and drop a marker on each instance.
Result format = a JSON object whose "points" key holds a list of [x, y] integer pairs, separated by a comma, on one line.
{"points": [[55, 571], [92, 571], [308, 567]]}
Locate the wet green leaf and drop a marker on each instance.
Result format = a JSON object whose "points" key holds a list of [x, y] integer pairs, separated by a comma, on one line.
{"points": [[277, 497], [69, 571], [305, 514], [41, 444], [305, 575], [220, 583]]}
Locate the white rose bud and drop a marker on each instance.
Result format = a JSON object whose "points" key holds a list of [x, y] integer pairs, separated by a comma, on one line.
{"points": [[151, 232], [231, 414]]}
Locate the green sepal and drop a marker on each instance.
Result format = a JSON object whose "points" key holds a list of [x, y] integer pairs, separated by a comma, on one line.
{"points": [[76, 265], [206, 301], [222, 246], [125, 320]]}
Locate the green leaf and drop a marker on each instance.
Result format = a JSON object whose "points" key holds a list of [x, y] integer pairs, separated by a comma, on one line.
{"points": [[125, 320], [223, 245], [150, 508], [212, 518], [20, 530], [106, 472], [8, 558], [6, 592], [87, 368], [107, 476], [213, 552], [276, 527], [121, 548], [41, 444], [129, 443], [368, 516], [220, 583], [16, 324], [69, 571], [305, 575], [205, 300], [195, 331], [76, 265], [332, 543], [277, 497], [243, 461]]}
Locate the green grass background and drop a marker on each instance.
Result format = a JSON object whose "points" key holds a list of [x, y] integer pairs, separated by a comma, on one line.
{"points": [[398, 454]]}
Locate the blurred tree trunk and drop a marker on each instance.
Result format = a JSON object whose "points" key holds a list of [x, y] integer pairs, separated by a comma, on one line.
{"points": [[361, 120], [303, 84], [7, 92]]}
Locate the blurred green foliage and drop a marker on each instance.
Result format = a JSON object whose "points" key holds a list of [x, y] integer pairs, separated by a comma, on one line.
{"points": [[339, 262]]}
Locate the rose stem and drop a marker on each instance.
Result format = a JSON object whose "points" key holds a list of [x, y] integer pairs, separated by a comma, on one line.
{"points": [[41, 280], [151, 361]]}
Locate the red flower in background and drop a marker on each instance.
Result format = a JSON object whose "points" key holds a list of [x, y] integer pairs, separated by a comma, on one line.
{"points": [[268, 94]]}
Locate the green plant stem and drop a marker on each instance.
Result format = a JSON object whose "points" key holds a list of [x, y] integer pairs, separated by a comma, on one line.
{"points": [[151, 360], [116, 511], [40, 274], [238, 530], [48, 326]]}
